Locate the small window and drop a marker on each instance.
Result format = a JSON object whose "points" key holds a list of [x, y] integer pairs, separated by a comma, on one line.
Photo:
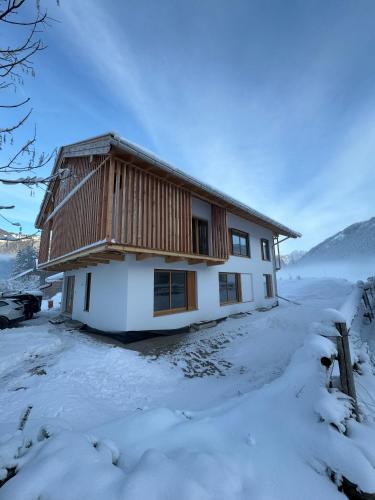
{"points": [[87, 291], [240, 243], [3, 303], [265, 249], [268, 288], [200, 236], [229, 288], [174, 291]]}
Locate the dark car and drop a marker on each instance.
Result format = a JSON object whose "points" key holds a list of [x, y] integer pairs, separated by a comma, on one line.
{"points": [[31, 303]]}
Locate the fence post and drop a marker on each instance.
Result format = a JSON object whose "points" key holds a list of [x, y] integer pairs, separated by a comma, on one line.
{"points": [[345, 365], [368, 304]]}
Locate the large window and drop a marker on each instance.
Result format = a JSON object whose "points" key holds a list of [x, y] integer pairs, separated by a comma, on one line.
{"points": [[87, 291], [268, 288], [230, 288], [239, 243], [200, 236], [174, 291], [265, 244]]}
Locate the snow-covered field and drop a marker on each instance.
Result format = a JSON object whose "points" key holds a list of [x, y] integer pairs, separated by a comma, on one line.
{"points": [[237, 411]]}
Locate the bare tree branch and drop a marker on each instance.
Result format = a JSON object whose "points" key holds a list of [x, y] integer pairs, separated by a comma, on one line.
{"points": [[15, 62]]}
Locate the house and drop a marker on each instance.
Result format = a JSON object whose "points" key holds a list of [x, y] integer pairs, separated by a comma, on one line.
{"points": [[144, 246]]}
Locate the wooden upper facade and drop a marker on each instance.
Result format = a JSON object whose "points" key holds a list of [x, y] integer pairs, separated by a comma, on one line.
{"points": [[113, 198]]}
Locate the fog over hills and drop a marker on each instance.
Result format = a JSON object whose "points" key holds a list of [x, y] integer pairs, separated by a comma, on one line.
{"points": [[349, 253]]}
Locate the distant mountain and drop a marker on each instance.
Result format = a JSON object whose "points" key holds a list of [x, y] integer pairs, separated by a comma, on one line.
{"points": [[292, 257], [348, 254], [356, 242]]}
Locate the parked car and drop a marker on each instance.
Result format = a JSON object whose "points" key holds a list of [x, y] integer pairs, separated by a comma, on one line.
{"points": [[10, 312], [31, 302]]}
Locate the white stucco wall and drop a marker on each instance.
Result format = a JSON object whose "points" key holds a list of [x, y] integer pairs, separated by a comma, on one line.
{"points": [[122, 293], [107, 298]]}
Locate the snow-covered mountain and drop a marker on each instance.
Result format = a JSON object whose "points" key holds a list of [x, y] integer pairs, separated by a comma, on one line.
{"points": [[349, 253], [292, 257], [355, 242]]}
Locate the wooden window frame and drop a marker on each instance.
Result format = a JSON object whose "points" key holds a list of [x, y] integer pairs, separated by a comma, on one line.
{"points": [[269, 286], [264, 257], [238, 289], [241, 234], [190, 292], [196, 231], [88, 283]]}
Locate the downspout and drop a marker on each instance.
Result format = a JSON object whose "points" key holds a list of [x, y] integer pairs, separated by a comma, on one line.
{"points": [[276, 268]]}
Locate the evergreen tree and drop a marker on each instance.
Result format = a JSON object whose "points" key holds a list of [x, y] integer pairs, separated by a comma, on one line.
{"points": [[25, 260]]}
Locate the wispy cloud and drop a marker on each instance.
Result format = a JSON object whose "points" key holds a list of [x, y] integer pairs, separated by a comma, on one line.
{"points": [[263, 115]]}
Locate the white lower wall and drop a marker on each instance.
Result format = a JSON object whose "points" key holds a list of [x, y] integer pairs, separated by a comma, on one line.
{"points": [[108, 296], [122, 293]]}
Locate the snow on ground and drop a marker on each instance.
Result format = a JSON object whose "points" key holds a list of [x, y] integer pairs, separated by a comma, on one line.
{"points": [[232, 412]]}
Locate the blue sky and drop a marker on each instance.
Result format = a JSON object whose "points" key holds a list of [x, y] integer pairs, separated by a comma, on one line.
{"points": [[270, 101]]}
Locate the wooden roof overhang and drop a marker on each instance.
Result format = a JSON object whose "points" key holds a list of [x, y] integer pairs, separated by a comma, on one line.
{"points": [[104, 253], [113, 144]]}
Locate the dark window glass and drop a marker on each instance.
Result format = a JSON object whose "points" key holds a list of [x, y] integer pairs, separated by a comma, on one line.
{"points": [[243, 246], [178, 290], [2, 303], [236, 244], [232, 288], [240, 243], [170, 290], [268, 288], [223, 287], [87, 291], [200, 236], [161, 290], [228, 288], [265, 249]]}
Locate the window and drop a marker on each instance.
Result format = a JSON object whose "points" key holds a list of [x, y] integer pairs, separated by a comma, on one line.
{"points": [[174, 291], [239, 243], [268, 288], [69, 298], [3, 303], [87, 291], [200, 236], [230, 288], [265, 244]]}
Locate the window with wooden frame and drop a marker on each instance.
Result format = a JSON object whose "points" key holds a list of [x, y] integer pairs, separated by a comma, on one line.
{"points": [[174, 291], [230, 288], [87, 291], [239, 243], [268, 288], [200, 236], [265, 246]]}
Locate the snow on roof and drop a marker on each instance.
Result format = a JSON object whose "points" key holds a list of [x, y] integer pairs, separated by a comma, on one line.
{"points": [[55, 277]]}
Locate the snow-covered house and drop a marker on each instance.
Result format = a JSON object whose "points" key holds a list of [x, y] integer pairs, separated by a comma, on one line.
{"points": [[144, 246]]}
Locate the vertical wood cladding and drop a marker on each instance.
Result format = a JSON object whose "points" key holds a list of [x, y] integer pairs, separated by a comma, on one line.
{"points": [[148, 212], [123, 204], [79, 222], [219, 232]]}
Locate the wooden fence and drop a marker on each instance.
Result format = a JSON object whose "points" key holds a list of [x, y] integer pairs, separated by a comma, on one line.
{"points": [[360, 303]]}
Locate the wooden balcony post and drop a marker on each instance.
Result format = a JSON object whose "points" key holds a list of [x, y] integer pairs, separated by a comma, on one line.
{"points": [[110, 188]]}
